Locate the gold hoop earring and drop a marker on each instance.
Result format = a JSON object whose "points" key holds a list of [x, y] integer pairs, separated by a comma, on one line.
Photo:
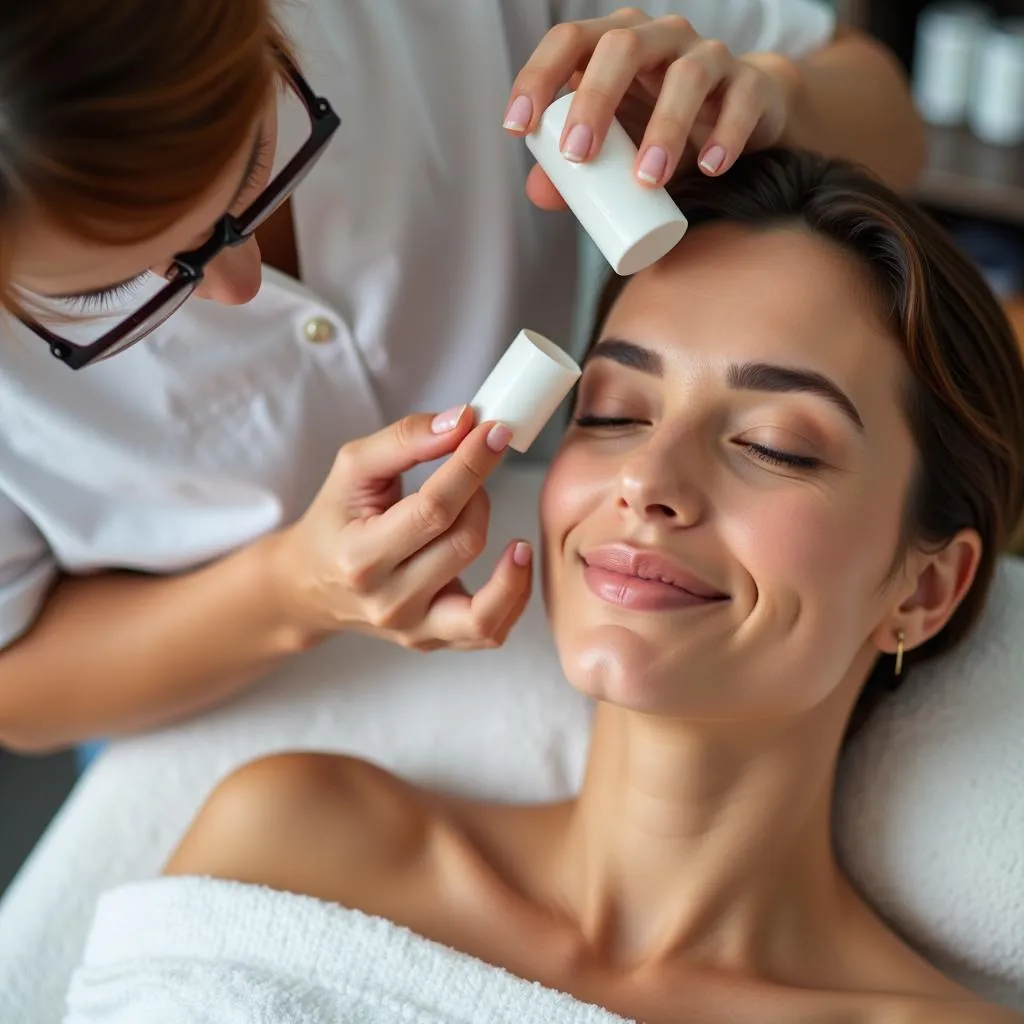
{"points": [[899, 652]]}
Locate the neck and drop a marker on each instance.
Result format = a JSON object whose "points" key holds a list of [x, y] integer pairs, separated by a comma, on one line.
{"points": [[704, 838]]}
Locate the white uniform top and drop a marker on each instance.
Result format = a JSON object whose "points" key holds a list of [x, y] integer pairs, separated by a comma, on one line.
{"points": [[421, 256]]}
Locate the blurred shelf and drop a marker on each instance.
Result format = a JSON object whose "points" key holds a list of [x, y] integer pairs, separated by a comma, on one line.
{"points": [[964, 175]]}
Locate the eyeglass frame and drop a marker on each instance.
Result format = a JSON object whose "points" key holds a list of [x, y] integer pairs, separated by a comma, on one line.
{"points": [[188, 268]]}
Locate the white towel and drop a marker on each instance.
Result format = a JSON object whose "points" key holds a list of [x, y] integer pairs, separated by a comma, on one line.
{"points": [[199, 951], [930, 807], [930, 819]]}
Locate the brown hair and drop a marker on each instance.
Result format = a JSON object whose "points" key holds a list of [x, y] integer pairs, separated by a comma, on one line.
{"points": [[117, 115], [964, 397]]}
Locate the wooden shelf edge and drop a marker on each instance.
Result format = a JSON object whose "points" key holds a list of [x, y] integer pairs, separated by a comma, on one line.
{"points": [[963, 175]]}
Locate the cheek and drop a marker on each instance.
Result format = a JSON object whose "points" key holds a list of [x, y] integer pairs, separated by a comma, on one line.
{"points": [[575, 486], [812, 543]]}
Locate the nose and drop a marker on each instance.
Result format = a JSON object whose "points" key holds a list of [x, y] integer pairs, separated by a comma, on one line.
{"points": [[657, 486], [234, 277]]}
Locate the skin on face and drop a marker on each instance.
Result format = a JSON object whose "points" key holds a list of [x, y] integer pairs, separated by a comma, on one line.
{"points": [[803, 552], [47, 261]]}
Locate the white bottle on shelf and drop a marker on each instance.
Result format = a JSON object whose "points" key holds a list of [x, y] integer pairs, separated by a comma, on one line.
{"points": [[996, 113], [949, 36]]}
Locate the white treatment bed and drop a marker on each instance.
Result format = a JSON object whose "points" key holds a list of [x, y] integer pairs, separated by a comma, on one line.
{"points": [[932, 800]]}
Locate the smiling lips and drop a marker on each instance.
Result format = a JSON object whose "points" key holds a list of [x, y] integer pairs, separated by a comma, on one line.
{"points": [[643, 580]]}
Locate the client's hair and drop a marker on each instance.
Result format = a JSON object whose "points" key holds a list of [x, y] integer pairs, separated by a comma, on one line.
{"points": [[964, 391], [117, 115]]}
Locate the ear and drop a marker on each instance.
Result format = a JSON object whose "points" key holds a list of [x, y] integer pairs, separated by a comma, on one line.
{"points": [[935, 583]]}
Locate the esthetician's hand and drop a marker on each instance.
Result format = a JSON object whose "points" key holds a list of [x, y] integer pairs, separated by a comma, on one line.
{"points": [[363, 557], [677, 95]]}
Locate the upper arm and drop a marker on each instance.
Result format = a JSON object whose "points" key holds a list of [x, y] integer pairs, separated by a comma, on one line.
{"points": [[317, 824], [790, 27]]}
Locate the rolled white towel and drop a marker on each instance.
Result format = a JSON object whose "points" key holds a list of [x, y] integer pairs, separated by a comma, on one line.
{"points": [[195, 951]]}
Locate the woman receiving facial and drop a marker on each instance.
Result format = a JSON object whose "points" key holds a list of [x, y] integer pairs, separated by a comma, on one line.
{"points": [[795, 457], [153, 155], [739, 444]]}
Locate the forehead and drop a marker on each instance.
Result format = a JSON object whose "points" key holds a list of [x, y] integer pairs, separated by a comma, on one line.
{"points": [[779, 295]]}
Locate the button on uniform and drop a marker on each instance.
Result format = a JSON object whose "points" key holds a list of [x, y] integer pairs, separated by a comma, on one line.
{"points": [[319, 330]]}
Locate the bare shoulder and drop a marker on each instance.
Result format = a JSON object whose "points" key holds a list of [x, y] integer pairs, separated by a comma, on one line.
{"points": [[318, 824]]}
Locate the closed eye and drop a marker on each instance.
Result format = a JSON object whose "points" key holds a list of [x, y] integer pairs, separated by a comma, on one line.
{"points": [[776, 458], [606, 421], [100, 300], [772, 456]]}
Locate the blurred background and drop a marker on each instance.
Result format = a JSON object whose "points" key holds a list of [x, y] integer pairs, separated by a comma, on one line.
{"points": [[966, 61]]}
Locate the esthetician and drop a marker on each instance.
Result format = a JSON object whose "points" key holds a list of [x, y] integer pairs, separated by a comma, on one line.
{"points": [[218, 486]]}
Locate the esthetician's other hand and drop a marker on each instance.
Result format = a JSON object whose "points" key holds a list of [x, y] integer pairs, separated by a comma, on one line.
{"points": [[363, 557], [677, 94]]}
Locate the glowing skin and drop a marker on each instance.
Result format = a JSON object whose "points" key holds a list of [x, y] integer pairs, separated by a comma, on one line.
{"points": [[802, 551]]}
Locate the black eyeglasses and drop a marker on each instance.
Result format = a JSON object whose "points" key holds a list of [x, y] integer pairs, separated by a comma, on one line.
{"points": [[188, 268]]}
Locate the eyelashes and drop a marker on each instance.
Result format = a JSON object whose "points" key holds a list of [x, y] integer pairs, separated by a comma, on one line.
{"points": [[777, 458], [771, 456], [604, 421], [101, 301], [104, 299]]}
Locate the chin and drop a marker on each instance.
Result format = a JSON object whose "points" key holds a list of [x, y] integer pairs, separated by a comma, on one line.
{"points": [[615, 665]]}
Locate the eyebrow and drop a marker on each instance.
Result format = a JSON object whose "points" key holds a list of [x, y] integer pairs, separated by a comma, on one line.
{"points": [[751, 376], [250, 167], [628, 353]]}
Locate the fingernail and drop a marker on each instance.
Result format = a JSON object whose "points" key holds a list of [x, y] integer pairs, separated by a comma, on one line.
{"points": [[578, 143], [521, 554], [519, 114], [498, 437], [713, 159], [652, 167], [445, 421]]}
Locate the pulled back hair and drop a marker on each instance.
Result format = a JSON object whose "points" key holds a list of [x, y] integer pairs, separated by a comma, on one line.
{"points": [[964, 391], [117, 115]]}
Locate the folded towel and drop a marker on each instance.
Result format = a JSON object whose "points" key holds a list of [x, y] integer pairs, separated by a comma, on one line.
{"points": [[930, 817], [195, 951]]}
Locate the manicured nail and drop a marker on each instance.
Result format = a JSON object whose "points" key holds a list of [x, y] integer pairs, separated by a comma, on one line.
{"points": [[578, 143], [713, 159], [652, 167], [521, 554], [445, 421], [498, 437], [519, 114]]}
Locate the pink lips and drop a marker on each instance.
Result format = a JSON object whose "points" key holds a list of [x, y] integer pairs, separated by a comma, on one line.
{"points": [[644, 580]]}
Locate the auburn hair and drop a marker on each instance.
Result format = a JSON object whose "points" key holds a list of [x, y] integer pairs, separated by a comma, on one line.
{"points": [[117, 115]]}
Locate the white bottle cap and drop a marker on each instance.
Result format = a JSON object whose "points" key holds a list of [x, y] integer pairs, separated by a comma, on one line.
{"points": [[632, 225], [526, 387]]}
